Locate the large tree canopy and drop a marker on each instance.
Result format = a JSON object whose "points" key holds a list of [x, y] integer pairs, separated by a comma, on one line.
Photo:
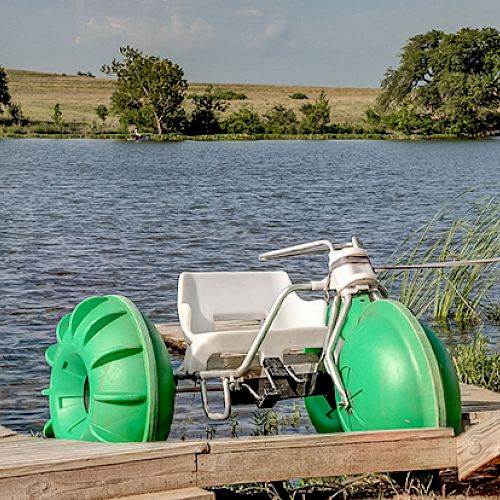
{"points": [[446, 83], [149, 91], [4, 90]]}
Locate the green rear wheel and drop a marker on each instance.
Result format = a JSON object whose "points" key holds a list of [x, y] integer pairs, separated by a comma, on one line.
{"points": [[111, 377]]}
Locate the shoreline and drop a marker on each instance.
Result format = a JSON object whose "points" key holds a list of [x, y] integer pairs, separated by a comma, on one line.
{"points": [[248, 137]]}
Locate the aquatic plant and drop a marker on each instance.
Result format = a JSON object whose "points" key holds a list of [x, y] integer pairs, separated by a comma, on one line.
{"points": [[476, 366], [456, 293]]}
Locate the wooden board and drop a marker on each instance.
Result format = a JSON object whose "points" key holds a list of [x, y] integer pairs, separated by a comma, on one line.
{"points": [[286, 457], [41, 468], [479, 445], [6, 433], [181, 494], [477, 399]]}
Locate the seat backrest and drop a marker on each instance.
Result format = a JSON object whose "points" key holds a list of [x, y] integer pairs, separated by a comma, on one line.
{"points": [[229, 296]]}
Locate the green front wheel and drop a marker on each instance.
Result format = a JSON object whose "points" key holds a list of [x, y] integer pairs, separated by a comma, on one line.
{"points": [[396, 372]]}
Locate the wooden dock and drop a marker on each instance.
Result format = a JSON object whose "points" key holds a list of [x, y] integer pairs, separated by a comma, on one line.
{"points": [[47, 468]]}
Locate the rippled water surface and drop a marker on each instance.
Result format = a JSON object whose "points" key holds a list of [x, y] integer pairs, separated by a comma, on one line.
{"points": [[79, 218]]}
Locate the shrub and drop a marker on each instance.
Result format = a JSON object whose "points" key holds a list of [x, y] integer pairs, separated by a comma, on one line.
{"points": [[298, 95], [280, 120], [230, 95], [244, 121]]}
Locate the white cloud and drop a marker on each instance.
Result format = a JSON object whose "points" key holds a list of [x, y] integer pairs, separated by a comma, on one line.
{"points": [[274, 30], [249, 13], [121, 24], [177, 31], [188, 34]]}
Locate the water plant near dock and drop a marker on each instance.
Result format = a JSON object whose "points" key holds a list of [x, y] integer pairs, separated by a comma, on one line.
{"points": [[459, 293]]}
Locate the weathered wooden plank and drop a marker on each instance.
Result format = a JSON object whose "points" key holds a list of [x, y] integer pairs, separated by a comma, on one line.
{"points": [[285, 457], [477, 399], [5, 432], [479, 445], [37, 456], [182, 494], [104, 481]]}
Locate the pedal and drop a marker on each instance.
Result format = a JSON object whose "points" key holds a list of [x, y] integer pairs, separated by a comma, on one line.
{"points": [[275, 368], [269, 399], [278, 382]]}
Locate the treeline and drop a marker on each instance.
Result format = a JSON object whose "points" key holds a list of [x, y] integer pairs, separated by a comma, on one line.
{"points": [[445, 84], [315, 118], [151, 95]]}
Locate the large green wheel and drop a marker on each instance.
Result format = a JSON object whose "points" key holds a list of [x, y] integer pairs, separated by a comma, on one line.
{"points": [[397, 373], [322, 410], [111, 377]]}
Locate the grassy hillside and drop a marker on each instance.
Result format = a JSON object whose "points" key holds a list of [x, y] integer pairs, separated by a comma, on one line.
{"points": [[80, 95]]}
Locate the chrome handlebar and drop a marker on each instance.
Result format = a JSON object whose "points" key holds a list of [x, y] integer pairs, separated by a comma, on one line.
{"points": [[313, 247]]}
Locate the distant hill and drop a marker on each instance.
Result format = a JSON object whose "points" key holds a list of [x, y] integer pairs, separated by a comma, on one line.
{"points": [[80, 95]]}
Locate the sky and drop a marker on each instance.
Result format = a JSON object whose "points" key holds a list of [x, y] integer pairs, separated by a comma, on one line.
{"points": [[348, 43]]}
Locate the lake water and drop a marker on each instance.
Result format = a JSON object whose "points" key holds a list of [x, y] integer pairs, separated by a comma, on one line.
{"points": [[79, 218]]}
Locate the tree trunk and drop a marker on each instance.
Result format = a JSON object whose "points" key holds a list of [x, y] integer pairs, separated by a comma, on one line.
{"points": [[158, 124]]}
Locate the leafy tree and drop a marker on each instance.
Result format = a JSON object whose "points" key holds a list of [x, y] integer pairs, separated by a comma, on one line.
{"points": [[316, 115], [57, 114], [102, 112], [450, 82], [280, 120], [16, 113], [205, 116], [4, 90], [243, 121], [149, 90]]}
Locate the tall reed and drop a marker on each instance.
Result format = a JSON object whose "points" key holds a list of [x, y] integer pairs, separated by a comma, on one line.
{"points": [[456, 293]]}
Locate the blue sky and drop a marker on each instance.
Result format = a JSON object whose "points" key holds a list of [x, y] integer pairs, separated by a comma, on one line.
{"points": [[298, 42]]}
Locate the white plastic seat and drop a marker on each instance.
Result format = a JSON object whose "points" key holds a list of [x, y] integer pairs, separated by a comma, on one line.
{"points": [[204, 298]]}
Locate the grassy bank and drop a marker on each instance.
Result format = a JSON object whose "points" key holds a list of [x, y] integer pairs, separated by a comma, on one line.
{"points": [[80, 95]]}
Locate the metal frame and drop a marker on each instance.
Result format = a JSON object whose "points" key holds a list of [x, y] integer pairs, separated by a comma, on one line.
{"points": [[350, 273]]}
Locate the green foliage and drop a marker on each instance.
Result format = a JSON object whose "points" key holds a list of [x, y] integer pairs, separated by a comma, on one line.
{"points": [[230, 95], [223, 95], [298, 95], [102, 112], [243, 121], [456, 293], [150, 91], [205, 117], [475, 366], [280, 120], [57, 114], [85, 73], [316, 116], [4, 90], [445, 83], [16, 113]]}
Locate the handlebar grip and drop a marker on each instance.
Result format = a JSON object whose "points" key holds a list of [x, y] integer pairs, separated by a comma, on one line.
{"points": [[313, 247]]}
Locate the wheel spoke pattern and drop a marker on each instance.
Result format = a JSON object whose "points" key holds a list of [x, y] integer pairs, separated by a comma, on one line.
{"points": [[111, 377]]}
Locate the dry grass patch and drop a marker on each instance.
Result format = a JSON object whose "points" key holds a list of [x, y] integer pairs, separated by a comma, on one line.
{"points": [[80, 95]]}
